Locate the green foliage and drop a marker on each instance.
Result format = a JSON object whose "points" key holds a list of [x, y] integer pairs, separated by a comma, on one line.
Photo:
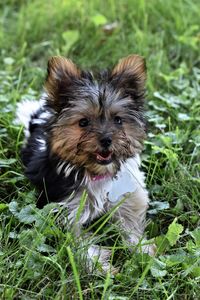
{"points": [[70, 37], [39, 257], [173, 233]]}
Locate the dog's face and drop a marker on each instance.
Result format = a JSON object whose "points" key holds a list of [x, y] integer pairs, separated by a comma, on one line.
{"points": [[99, 121]]}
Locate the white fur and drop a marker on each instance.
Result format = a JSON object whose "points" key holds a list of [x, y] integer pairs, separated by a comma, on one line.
{"points": [[59, 167], [130, 214], [102, 256], [42, 144], [98, 203], [99, 189], [25, 110], [67, 168]]}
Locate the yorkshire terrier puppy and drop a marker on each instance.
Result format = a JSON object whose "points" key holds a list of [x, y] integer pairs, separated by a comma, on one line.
{"points": [[86, 133]]}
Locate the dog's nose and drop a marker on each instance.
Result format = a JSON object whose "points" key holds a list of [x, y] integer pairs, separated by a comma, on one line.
{"points": [[106, 142]]}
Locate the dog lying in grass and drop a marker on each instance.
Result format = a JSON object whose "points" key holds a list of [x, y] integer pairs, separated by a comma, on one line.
{"points": [[86, 134]]}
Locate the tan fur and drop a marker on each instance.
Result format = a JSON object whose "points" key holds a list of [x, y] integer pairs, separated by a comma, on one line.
{"points": [[62, 64], [134, 64], [59, 68], [80, 145], [64, 141], [130, 214]]}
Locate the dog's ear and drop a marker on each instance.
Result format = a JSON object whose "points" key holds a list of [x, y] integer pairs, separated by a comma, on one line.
{"points": [[61, 73], [130, 75]]}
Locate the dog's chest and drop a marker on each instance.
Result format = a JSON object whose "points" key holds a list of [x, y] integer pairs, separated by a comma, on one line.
{"points": [[108, 192]]}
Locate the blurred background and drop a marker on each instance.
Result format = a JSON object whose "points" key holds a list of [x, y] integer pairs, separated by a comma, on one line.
{"points": [[97, 33]]}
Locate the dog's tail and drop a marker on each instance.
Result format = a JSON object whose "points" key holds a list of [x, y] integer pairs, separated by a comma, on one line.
{"points": [[26, 110]]}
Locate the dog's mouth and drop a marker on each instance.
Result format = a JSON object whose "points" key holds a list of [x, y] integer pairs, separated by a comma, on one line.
{"points": [[103, 157]]}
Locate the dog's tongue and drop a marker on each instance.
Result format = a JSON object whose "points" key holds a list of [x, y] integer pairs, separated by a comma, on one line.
{"points": [[104, 155]]}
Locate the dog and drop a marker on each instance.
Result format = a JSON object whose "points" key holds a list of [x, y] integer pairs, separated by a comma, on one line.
{"points": [[86, 133]]}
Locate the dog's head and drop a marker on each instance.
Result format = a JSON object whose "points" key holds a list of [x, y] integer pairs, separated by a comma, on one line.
{"points": [[99, 120]]}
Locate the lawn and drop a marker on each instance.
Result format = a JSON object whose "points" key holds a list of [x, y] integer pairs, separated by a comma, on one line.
{"points": [[39, 258]]}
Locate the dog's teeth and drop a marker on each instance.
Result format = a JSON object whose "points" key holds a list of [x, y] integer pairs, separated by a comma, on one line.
{"points": [[99, 157]]}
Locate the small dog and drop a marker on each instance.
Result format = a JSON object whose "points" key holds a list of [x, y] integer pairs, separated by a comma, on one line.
{"points": [[86, 133]]}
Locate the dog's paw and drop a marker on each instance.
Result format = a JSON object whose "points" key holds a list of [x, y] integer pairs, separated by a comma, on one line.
{"points": [[150, 249], [106, 267], [98, 260], [144, 246]]}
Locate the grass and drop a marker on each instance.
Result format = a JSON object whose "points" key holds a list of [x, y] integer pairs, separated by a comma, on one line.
{"points": [[39, 259]]}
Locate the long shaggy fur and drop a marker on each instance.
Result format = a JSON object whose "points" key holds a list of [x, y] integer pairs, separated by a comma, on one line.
{"points": [[85, 133]]}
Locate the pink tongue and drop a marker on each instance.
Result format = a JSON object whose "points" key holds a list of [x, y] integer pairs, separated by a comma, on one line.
{"points": [[103, 156]]}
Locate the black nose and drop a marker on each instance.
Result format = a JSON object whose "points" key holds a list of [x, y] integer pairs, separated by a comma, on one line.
{"points": [[106, 142]]}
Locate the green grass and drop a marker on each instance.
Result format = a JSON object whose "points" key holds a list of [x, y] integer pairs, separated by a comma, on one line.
{"points": [[39, 258]]}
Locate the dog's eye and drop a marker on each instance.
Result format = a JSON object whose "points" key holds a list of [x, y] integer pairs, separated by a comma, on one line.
{"points": [[118, 120], [84, 122]]}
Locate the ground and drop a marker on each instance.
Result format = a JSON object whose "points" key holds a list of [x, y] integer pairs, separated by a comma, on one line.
{"points": [[39, 259]]}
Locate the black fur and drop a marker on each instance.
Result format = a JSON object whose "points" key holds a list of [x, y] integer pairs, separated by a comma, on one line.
{"points": [[40, 168]]}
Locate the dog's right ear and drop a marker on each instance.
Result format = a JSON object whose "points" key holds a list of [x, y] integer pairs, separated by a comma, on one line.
{"points": [[61, 73]]}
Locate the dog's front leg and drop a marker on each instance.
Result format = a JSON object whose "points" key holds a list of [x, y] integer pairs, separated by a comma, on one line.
{"points": [[95, 256], [131, 216]]}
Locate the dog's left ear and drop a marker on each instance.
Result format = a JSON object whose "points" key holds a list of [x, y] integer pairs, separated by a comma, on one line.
{"points": [[130, 75]]}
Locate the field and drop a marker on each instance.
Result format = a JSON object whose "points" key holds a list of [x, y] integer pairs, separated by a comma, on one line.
{"points": [[39, 258]]}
